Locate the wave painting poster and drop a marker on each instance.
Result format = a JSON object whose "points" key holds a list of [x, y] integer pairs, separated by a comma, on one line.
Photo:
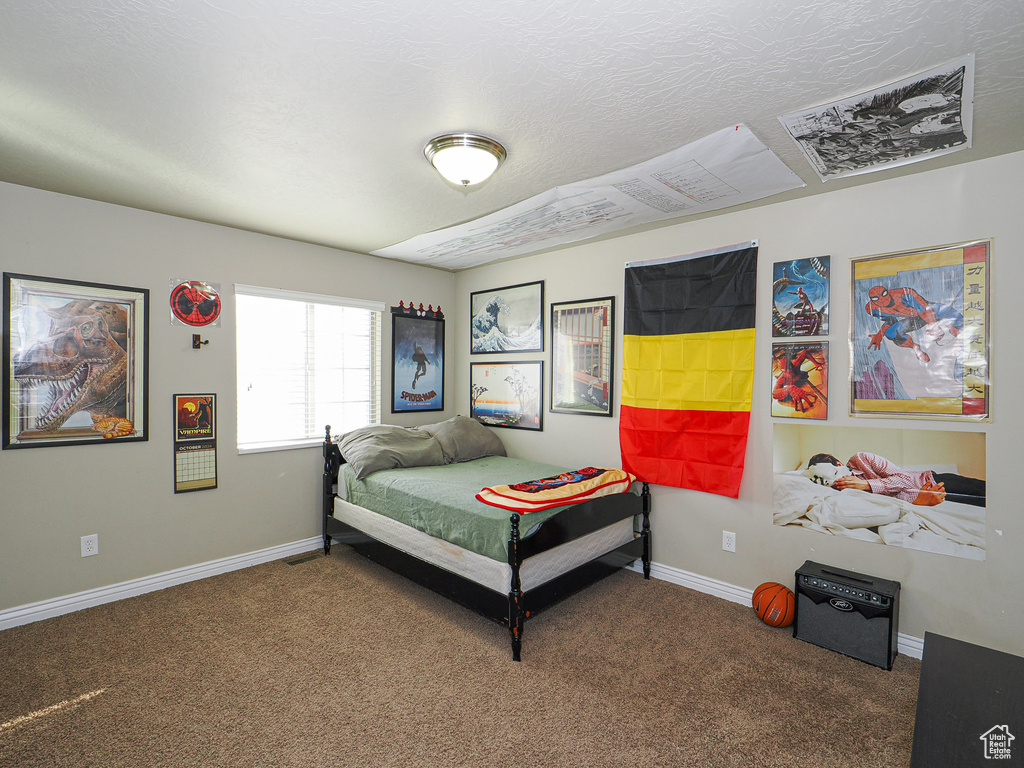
{"points": [[507, 319]]}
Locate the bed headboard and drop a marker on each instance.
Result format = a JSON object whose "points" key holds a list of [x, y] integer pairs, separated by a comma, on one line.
{"points": [[332, 465]]}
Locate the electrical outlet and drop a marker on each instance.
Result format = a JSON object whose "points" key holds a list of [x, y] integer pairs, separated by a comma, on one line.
{"points": [[728, 541], [90, 545]]}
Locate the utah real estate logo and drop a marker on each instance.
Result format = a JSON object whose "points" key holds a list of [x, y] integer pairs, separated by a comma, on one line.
{"points": [[997, 742]]}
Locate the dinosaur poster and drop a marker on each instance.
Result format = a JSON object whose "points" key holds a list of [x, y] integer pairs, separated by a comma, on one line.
{"points": [[75, 362]]}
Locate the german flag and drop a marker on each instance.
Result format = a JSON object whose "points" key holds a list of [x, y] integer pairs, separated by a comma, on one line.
{"points": [[688, 369]]}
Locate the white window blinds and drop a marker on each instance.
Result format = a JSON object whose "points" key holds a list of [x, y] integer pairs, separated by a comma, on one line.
{"points": [[304, 361]]}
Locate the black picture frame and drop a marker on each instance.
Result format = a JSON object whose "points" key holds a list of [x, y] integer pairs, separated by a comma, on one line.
{"points": [[507, 319], [800, 379], [517, 394], [50, 327], [801, 297], [417, 359], [582, 356]]}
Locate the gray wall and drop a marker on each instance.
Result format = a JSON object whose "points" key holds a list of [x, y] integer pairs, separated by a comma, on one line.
{"points": [[973, 601], [50, 497]]}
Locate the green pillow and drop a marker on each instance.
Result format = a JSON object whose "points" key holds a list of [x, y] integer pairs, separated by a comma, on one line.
{"points": [[384, 446], [464, 439]]}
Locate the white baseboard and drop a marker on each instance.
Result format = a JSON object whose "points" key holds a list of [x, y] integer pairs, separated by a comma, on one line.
{"points": [[47, 609], [908, 644]]}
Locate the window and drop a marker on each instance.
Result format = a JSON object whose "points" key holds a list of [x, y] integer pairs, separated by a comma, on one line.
{"points": [[304, 361]]}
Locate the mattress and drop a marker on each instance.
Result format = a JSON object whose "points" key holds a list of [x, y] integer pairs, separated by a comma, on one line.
{"points": [[441, 501], [488, 572]]}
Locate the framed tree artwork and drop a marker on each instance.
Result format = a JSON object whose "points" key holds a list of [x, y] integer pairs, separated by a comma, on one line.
{"points": [[417, 362], [581, 356], [75, 362], [507, 319], [508, 394]]}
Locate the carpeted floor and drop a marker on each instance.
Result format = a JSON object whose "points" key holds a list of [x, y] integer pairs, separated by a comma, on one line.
{"points": [[336, 662]]}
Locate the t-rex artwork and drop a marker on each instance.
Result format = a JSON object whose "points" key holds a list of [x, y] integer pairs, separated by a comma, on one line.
{"points": [[82, 365]]}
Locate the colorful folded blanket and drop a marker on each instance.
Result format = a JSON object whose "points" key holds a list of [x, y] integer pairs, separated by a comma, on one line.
{"points": [[558, 490]]}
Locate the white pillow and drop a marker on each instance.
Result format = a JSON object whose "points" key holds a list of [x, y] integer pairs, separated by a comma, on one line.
{"points": [[860, 509], [825, 473]]}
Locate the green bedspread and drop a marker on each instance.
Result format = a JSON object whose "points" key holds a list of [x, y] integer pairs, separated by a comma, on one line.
{"points": [[441, 501]]}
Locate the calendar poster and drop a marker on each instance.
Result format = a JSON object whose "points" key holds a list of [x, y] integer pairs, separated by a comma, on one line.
{"points": [[195, 442]]}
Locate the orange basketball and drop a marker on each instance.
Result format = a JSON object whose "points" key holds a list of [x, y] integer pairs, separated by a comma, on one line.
{"points": [[774, 604]]}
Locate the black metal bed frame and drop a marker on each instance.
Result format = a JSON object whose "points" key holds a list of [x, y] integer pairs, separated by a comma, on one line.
{"points": [[512, 610]]}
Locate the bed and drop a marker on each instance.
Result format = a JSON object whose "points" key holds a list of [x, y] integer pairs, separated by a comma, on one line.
{"points": [[404, 497]]}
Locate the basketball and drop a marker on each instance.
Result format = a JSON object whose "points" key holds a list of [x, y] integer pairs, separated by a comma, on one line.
{"points": [[774, 604]]}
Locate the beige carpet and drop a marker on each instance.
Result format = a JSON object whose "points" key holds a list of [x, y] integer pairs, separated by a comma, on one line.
{"points": [[336, 662]]}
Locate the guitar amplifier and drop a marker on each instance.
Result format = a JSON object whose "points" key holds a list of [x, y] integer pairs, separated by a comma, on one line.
{"points": [[848, 612]]}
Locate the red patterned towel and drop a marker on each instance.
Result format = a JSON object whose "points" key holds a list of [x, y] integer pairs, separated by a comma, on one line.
{"points": [[557, 490]]}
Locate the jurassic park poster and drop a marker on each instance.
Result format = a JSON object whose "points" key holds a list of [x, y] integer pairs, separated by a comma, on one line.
{"points": [[75, 362]]}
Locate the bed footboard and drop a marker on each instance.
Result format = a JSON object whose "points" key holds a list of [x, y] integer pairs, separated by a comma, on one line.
{"points": [[645, 530], [516, 614], [522, 607]]}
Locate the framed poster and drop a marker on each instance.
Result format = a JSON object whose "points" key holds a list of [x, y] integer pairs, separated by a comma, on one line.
{"points": [[919, 333], [507, 319], [508, 394], [417, 362], [195, 442], [76, 362], [581, 356], [800, 297], [800, 379]]}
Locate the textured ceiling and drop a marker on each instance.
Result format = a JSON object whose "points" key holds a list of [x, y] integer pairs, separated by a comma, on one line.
{"points": [[307, 118]]}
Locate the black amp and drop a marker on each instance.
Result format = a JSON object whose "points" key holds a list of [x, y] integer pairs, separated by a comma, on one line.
{"points": [[848, 612]]}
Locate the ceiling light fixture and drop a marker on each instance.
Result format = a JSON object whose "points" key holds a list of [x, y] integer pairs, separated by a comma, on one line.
{"points": [[464, 158]]}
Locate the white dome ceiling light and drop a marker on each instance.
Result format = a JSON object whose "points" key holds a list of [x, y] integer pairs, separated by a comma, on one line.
{"points": [[464, 158]]}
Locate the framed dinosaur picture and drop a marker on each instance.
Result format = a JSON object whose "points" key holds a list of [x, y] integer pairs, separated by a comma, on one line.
{"points": [[76, 362]]}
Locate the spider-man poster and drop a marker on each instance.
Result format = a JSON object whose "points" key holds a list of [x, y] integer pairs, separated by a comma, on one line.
{"points": [[417, 366], [919, 335], [800, 380], [800, 297]]}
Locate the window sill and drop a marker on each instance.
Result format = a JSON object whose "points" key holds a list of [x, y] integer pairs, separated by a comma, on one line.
{"points": [[279, 446]]}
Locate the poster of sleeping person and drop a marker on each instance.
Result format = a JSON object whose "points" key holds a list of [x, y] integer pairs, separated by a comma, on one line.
{"points": [[911, 488]]}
